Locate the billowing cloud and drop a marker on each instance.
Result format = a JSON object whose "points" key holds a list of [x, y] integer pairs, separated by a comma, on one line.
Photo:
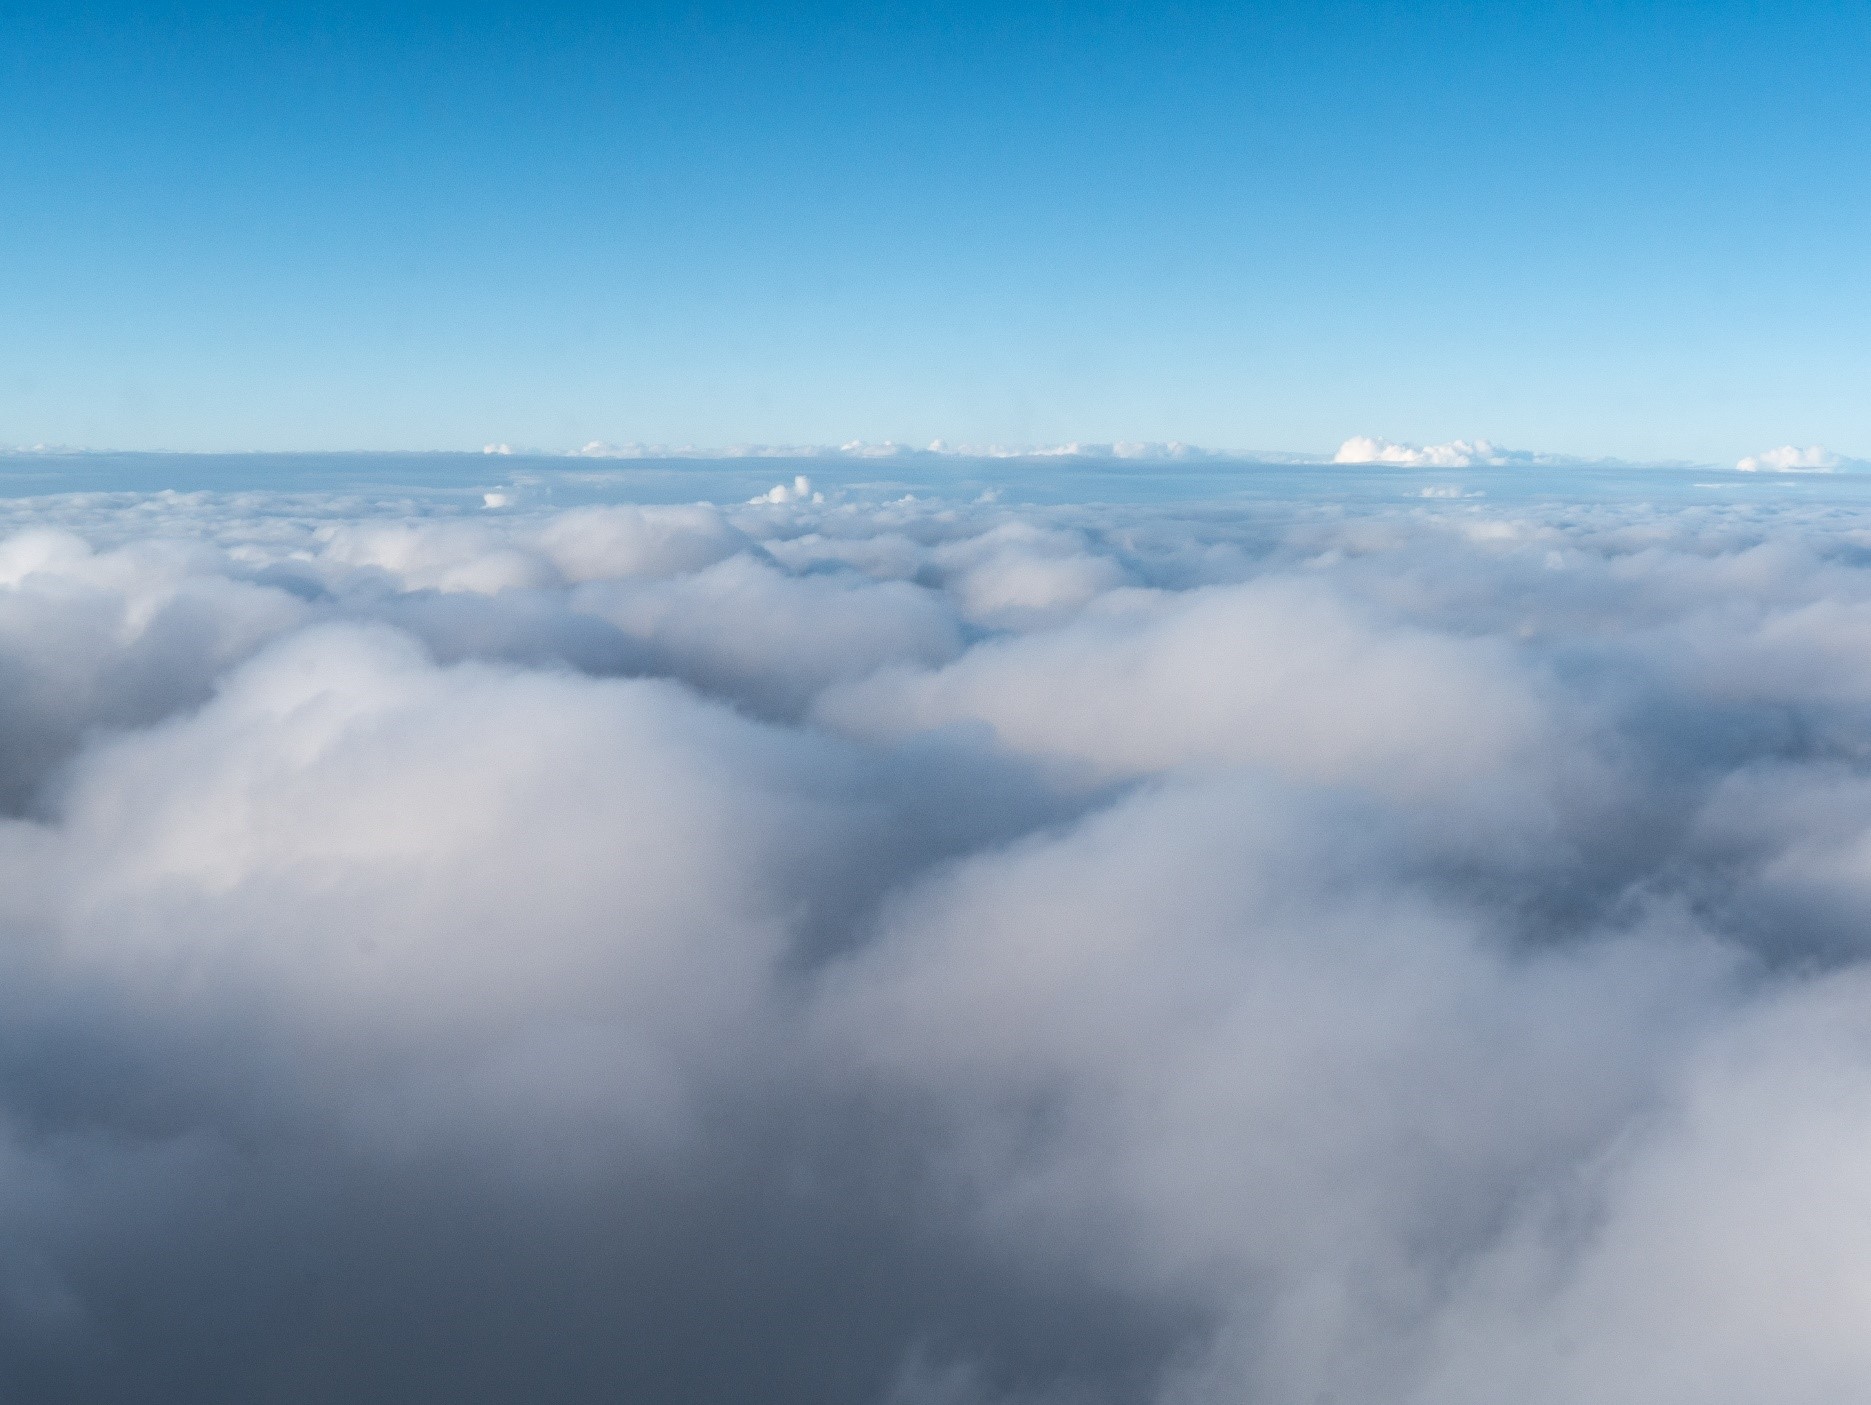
{"points": [[1790, 459], [1457, 453], [799, 490], [929, 950]]}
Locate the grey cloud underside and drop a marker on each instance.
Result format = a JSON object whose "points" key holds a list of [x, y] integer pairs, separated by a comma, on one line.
{"points": [[926, 953]]}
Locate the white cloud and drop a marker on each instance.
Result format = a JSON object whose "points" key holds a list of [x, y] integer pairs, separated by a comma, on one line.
{"points": [[1788, 459], [1177, 953], [624, 541], [799, 490], [1274, 674], [1458, 453]]}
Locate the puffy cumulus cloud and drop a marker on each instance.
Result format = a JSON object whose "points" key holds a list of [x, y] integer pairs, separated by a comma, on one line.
{"points": [[104, 639], [799, 490], [625, 541], [1790, 459], [925, 951], [1018, 574], [1192, 1049], [770, 639], [1643, 1282], [1278, 674], [355, 803], [445, 557]]}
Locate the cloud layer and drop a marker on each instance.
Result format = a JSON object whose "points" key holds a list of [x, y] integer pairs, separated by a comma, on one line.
{"points": [[923, 952]]}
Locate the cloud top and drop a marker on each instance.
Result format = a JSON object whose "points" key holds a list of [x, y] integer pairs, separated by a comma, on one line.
{"points": [[1789, 459], [1457, 453]]}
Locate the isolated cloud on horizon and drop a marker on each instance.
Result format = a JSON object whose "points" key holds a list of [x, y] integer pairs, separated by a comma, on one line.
{"points": [[1457, 453], [932, 952], [1791, 459]]}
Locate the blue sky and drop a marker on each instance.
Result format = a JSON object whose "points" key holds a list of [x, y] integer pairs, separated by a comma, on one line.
{"points": [[1598, 229]]}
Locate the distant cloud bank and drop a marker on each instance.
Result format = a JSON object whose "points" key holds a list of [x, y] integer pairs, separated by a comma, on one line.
{"points": [[1358, 450]]}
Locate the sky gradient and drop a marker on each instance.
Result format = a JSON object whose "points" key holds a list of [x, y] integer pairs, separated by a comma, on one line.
{"points": [[1619, 230]]}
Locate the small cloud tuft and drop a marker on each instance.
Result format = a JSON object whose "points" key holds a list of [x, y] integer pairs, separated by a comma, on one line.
{"points": [[800, 490]]}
